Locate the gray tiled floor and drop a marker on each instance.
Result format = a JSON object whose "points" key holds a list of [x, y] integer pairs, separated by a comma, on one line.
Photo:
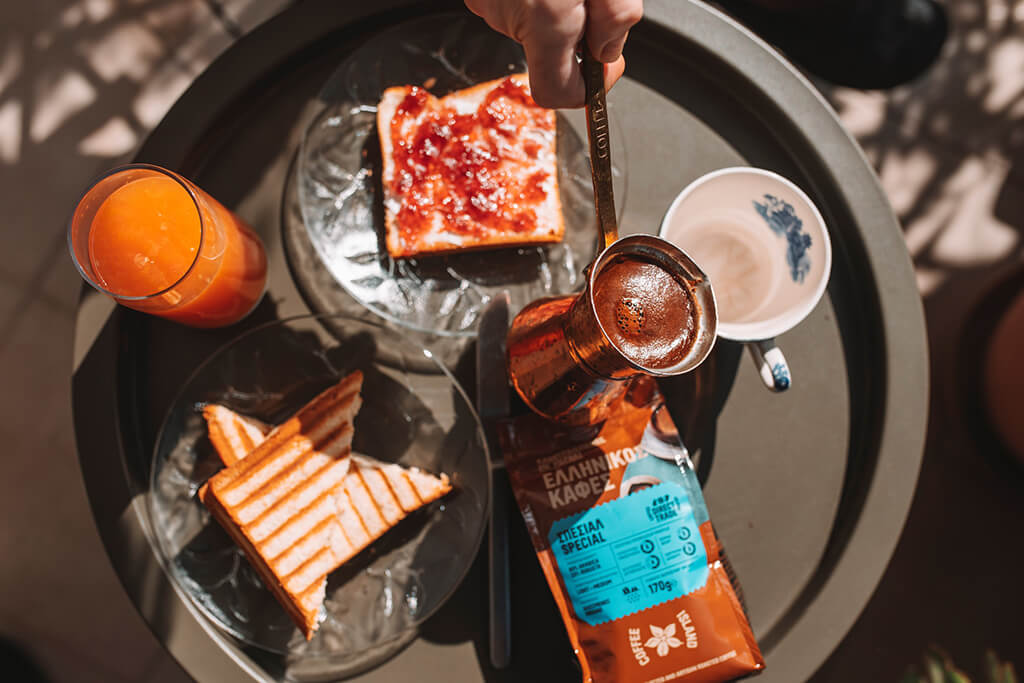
{"points": [[85, 79], [81, 81]]}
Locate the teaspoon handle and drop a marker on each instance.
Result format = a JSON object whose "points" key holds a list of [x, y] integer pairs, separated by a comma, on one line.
{"points": [[600, 145]]}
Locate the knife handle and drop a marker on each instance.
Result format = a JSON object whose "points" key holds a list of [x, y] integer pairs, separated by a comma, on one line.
{"points": [[501, 629]]}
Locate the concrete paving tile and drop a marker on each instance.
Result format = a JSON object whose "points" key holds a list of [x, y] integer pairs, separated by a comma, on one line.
{"points": [[61, 662], [973, 97], [127, 50], [152, 100], [9, 298], [80, 86], [89, 98], [955, 206], [971, 233], [67, 597], [64, 669], [134, 38], [61, 283], [248, 14], [98, 628], [35, 362], [193, 34], [35, 223]]}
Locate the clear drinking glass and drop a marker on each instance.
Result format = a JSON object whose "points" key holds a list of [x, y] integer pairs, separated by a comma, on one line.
{"points": [[153, 241]]}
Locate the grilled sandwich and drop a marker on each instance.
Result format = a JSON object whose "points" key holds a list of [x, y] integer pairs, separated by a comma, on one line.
{"points": [[370, 499], [279, 505], [233, 436]]}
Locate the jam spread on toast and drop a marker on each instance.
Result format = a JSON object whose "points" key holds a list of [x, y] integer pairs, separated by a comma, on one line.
{"points": [[475, 170]]}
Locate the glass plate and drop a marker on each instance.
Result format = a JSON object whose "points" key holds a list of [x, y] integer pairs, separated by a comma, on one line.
{"points": [[339, 185], [414, 413]]}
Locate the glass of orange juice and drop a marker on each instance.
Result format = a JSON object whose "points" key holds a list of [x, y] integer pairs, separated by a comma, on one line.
{"points": [[153, 241]]}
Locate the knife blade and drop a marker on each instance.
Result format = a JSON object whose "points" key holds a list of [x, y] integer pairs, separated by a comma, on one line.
{"points": [[492, 402]]}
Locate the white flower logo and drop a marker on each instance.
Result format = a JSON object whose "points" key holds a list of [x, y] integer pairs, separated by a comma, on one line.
{"points": [[662, 639]]}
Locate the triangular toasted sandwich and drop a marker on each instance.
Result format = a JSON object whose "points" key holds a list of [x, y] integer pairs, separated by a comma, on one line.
{"points": [[279, 505], [371, 498]]}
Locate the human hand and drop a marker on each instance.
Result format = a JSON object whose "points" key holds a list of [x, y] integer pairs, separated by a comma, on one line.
{"points": [[550, 30]]}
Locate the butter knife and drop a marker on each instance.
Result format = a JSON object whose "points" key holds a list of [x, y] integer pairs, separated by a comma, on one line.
{"points": [[492, 402]]}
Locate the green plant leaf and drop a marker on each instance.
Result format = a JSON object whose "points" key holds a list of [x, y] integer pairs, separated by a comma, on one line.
{"points": [[940, 669], [999, 672]]}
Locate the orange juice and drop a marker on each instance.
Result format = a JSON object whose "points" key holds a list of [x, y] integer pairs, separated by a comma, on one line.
{"points": [[144, 237], [155, 242]]}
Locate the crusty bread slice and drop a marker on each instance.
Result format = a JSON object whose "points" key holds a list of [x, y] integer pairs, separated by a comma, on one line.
{"points": [[233, 436], [371, 498], [278, 503], [511, 200], [376, 496]]}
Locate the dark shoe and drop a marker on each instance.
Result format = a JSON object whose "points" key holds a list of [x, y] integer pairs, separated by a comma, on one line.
{"points": [[866, 44]]}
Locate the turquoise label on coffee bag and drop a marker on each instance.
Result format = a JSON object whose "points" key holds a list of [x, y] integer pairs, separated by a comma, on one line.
{"points": [[630, 554]]}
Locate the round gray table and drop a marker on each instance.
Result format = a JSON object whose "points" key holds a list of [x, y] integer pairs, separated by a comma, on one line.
{"points": [[808, 490]]}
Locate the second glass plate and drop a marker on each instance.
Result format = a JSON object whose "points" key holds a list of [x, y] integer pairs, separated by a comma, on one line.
{"points": [[414, 413], [339, 187]]}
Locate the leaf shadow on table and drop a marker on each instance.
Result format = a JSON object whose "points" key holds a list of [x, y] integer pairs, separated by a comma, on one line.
{"points": [[949, 150]]}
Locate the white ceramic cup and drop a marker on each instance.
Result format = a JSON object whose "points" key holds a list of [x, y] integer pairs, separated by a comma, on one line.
{"points": [[766, 250]]}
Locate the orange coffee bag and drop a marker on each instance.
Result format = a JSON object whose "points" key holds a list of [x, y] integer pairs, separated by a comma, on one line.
{"points": [[622, 533]]}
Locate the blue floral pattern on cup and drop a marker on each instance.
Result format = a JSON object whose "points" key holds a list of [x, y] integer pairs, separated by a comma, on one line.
{"points": [[780, 373], [782, 219]]}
